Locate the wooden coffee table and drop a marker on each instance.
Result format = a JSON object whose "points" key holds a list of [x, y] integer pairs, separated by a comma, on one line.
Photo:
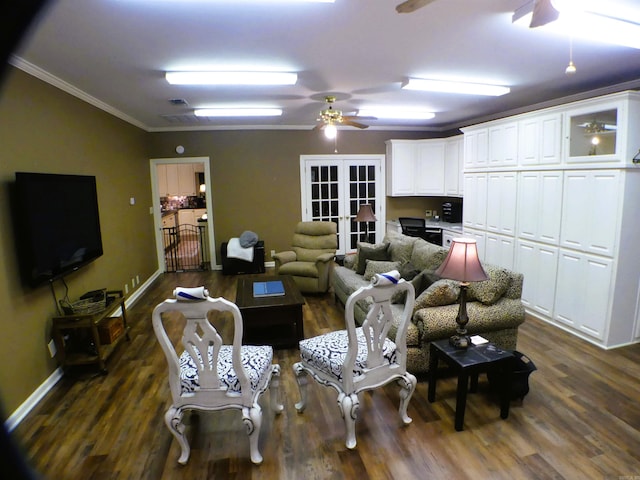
{"points": [[275, 321]]}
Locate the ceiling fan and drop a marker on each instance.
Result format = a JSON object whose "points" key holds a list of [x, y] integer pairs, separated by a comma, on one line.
{"points": [[330, 117], [543, 10]]}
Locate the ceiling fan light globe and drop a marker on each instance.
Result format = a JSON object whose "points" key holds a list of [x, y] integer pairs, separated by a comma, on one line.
{"points": [[330, 131], [571, 69]]}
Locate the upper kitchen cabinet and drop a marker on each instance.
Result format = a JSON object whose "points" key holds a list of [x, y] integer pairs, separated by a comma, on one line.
{"points": [[598, 131], [176, 179], [540, 139], [415, 167], [454, 166], [476, 147], [503, 144]]}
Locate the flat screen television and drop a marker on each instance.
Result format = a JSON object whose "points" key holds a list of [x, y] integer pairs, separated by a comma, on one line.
{"points": [[57, 224]]}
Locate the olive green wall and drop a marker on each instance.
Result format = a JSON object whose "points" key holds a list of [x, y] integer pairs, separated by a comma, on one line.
{"points": [[255, 186], [256, 176], [43, 129]]}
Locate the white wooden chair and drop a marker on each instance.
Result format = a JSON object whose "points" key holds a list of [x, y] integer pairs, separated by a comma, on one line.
{"points": [[363, 358], [208, 375]]}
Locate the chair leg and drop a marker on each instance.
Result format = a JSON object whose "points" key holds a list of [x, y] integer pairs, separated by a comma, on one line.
{"points": [[408, 385], [349, 406], [173, 419], [252, 419], [274, 390], [302, 380]]}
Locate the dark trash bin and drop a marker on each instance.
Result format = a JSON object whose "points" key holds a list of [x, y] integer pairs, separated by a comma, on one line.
{"points": [[524, 366]]}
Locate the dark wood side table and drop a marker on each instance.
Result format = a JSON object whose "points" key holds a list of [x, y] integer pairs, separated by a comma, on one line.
{"points": [[275, 321], [100, 351], [468, 364]]}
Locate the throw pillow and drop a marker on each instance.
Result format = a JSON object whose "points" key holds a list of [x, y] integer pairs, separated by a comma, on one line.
{"points": [[379, 266], [368, 251], [442, 292], [490, 291], [350, 261], [408, 271], [420, 283]]}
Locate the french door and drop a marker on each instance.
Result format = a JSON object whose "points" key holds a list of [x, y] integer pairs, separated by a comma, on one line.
{"points": [[334, 186]]}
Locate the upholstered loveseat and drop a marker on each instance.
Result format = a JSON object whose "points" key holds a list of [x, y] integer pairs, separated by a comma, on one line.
{"points": [[494, 306]]}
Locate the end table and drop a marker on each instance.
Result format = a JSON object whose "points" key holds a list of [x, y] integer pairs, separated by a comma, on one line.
{"points": [[468, 364]]}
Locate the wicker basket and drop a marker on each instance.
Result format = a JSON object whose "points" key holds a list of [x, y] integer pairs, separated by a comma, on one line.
{"points": [[87, 306]]}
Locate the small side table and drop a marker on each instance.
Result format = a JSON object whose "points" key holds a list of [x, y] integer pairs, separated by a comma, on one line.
{"points": [[91, 323], [468, 364]]}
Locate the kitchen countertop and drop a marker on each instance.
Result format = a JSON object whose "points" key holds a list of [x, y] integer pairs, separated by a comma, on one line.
{"points": [[454, 227]]}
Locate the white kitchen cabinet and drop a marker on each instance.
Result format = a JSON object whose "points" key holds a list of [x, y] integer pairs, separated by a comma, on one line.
{"points": [[538, 263], [499, 250], [415, 167], [583, 294], [476, 148], [540, 206], [540, 139], [454, 166], [474, 208], [186, 216], [503, 145], [401, 167], [186, 180], [590, 210], [429, 179], [501, 202]]}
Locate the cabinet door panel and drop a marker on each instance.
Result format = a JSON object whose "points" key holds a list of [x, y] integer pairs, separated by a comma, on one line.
{"points": [[569, 299], [429, 172], [576, 198], [528, 203], [499, 250], [550, 202], [401, 174], [550, 139]]}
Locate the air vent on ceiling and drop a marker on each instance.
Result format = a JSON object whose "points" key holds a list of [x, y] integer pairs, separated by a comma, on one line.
{"points": [[178, 101]]}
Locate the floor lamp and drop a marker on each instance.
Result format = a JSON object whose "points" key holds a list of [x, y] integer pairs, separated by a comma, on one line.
{"points": [[365, 214], [462, 264]]}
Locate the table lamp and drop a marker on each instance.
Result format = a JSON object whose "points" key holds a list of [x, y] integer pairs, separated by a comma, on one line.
{"points": [[462, 264], [365, 214]]}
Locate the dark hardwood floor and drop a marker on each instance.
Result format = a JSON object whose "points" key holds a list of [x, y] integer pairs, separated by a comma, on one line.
{"points": [[581, 419]]}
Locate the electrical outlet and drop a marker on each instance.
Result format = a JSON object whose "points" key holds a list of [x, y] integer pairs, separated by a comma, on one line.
{"points": [[137, 279], [133, 282], [126, 288], [273, 252], [428, 213], [52, 348]]}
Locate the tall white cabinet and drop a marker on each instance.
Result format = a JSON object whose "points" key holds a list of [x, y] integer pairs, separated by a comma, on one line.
{"points": [[551, 194]]}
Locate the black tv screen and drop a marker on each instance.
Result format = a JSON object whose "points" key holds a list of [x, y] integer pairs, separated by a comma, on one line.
{"points": [[58, 224]]}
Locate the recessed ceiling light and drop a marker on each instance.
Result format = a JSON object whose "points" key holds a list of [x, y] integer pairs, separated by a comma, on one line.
{"points": [[238, 112], [396, 113], [231, 78], [448, 86]]}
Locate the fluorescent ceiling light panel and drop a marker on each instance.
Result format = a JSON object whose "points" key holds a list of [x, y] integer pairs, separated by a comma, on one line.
{"points": [[590, 25], [396, 113], [447, 86], [231, 78], [238, 112]]}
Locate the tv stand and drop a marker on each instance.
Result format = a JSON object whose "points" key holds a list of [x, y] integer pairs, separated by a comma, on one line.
{"points": [[85, 339]]}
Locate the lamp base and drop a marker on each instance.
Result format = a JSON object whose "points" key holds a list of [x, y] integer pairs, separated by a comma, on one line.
{"points": [[461, 342]]}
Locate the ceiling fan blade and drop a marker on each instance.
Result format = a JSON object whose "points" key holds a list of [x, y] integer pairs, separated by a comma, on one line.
{"points": [[319, 126], [351, 123], [543, 13], [412, 5]]}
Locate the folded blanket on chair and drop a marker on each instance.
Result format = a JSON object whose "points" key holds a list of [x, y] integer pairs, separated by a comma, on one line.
{"points": [[235, 250]]}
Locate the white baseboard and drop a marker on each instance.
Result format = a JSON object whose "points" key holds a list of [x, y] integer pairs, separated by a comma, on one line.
{"points": [[30, 403]]}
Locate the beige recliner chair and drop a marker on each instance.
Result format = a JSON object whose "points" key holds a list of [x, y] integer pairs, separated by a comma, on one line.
{"points": [[311, 257]]}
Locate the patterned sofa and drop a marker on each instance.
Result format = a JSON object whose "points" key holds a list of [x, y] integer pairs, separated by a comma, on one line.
{"points": [[494, 306]]}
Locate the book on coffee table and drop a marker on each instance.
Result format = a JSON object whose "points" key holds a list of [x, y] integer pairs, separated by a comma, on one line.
{"points": [[268, 289]]}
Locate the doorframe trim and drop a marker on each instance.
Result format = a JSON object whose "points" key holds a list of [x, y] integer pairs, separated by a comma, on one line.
{"points": [[344, 158], [157, 217]]}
